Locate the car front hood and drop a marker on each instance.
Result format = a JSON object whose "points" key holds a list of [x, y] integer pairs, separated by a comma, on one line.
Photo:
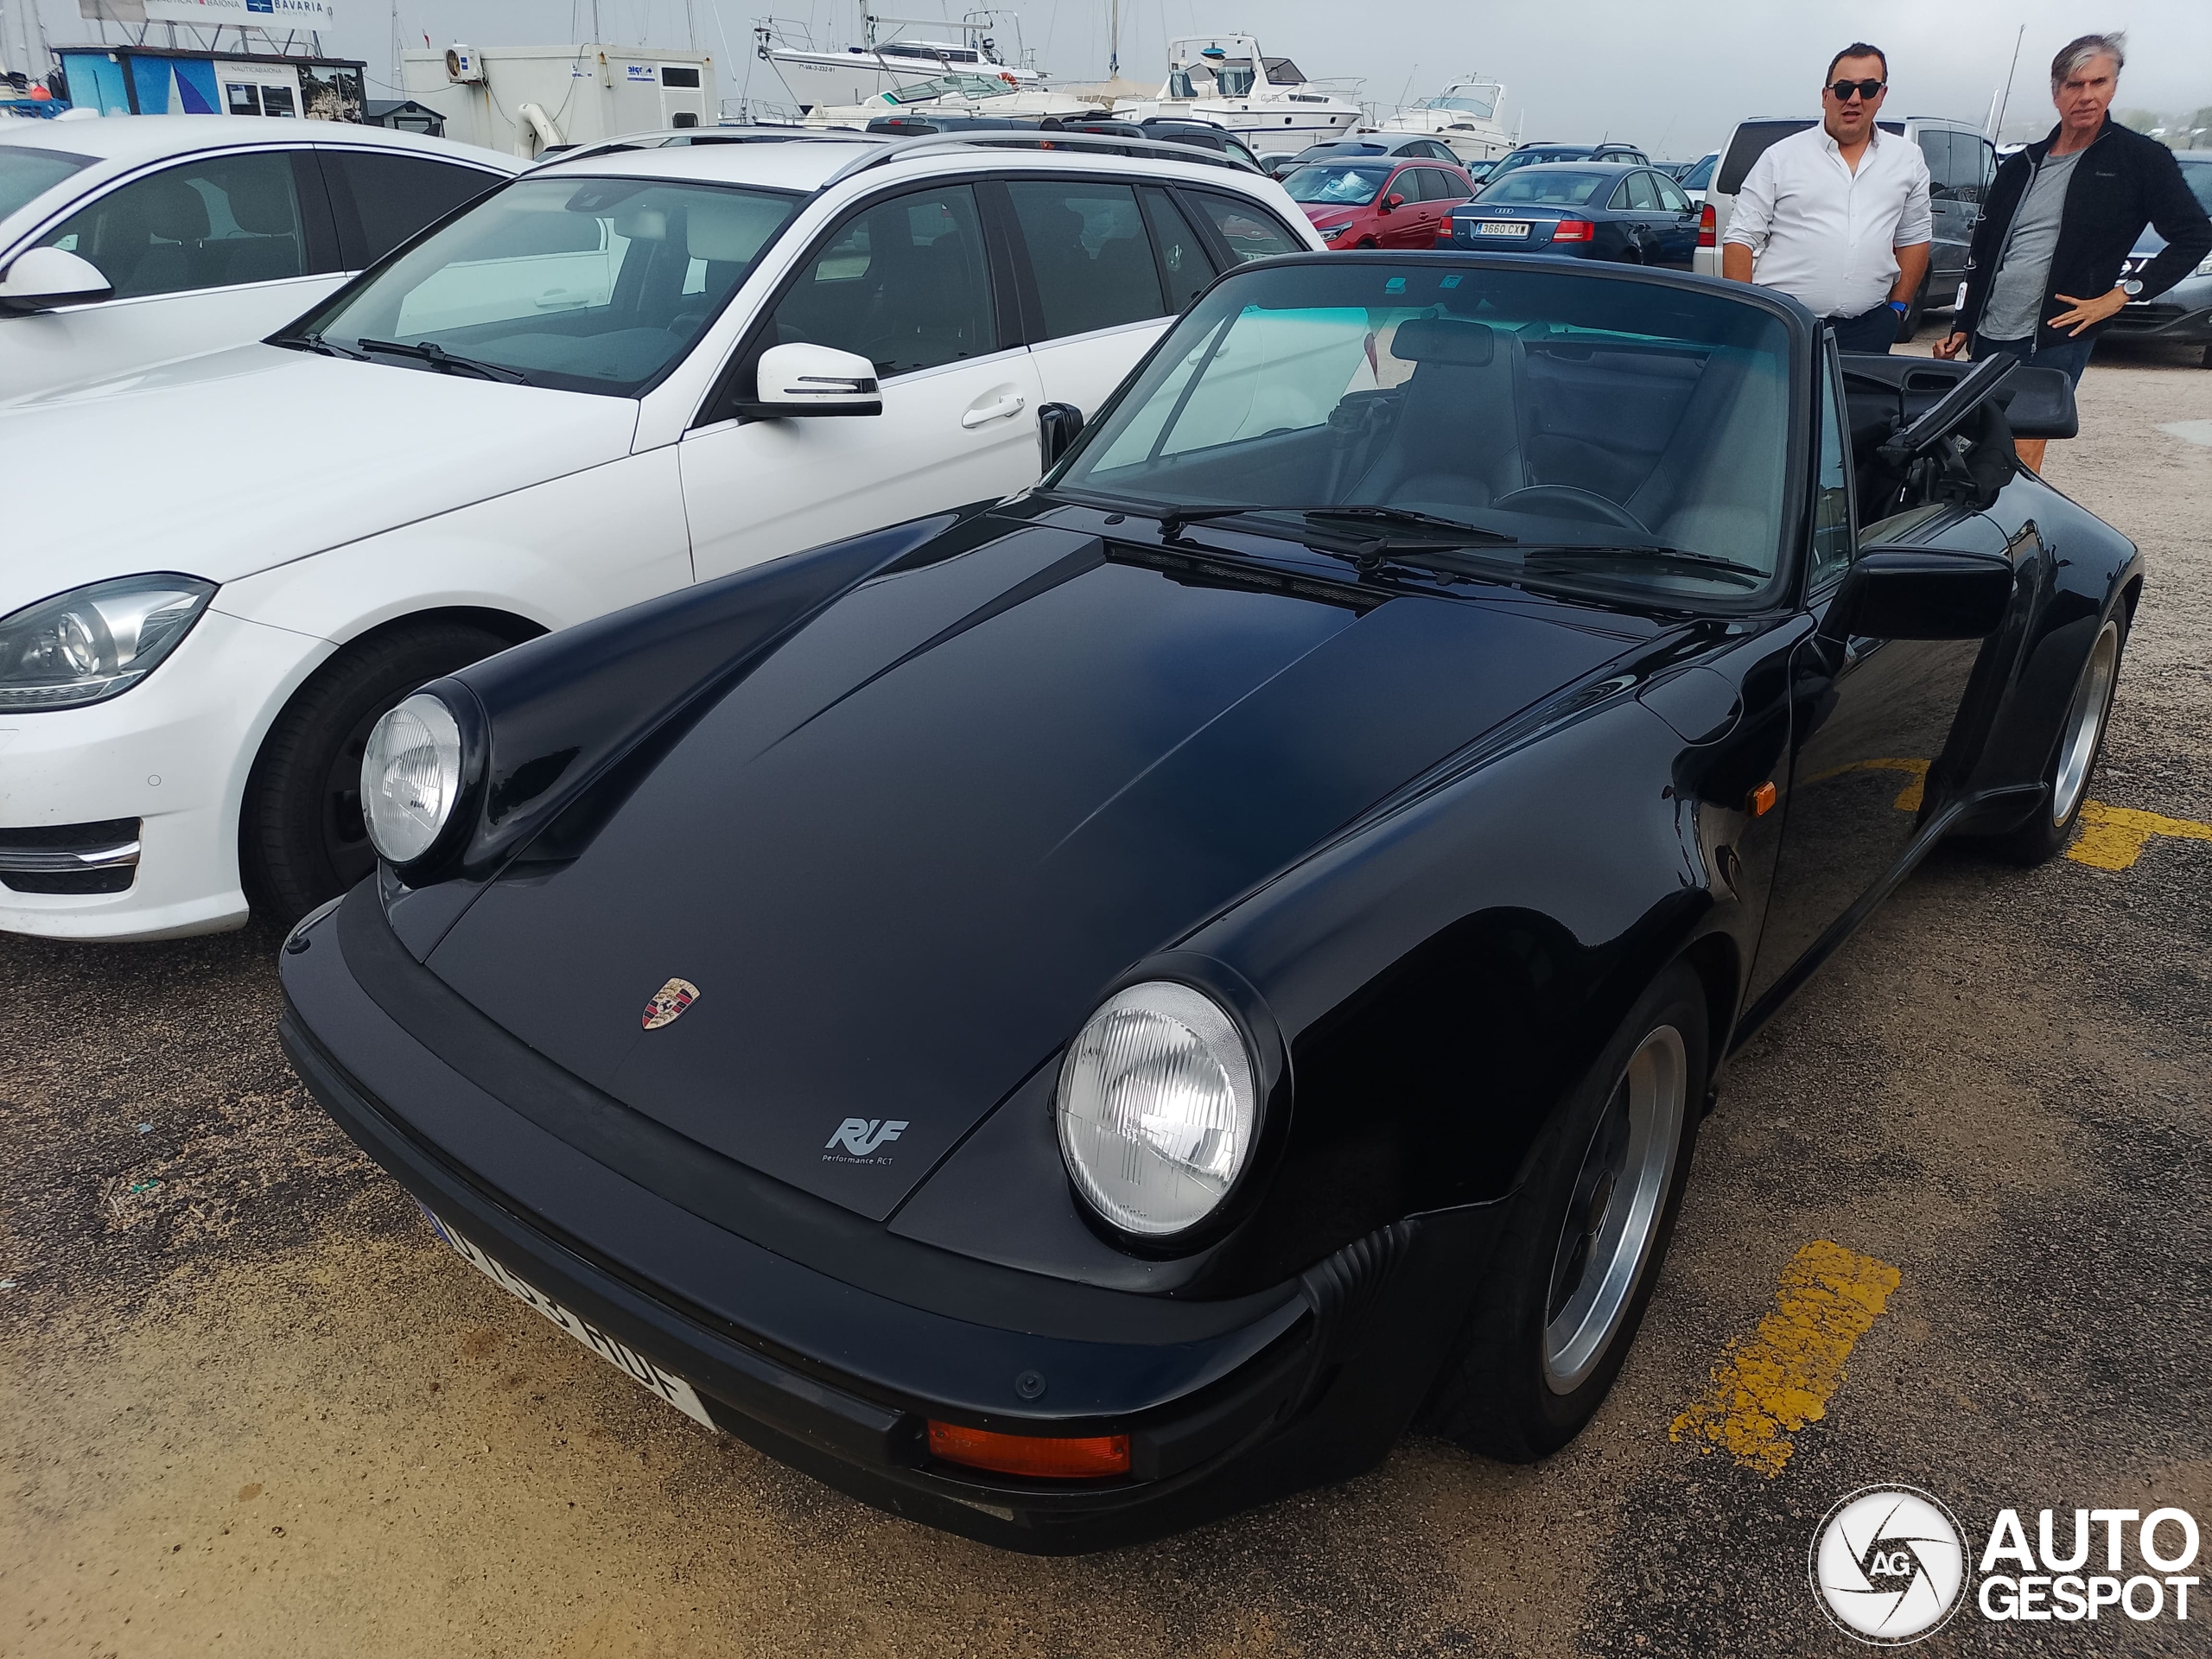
{"points": [[221, 465], [897, 863], [1327, 218]]}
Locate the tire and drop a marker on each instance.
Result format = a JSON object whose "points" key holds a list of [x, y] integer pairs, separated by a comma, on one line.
{"points": [[1909, 324], [301, 837], [1553, 1324], [2074, 749]]}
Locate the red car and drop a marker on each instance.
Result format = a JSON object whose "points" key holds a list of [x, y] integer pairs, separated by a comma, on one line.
{"points": [[1380, 203]]}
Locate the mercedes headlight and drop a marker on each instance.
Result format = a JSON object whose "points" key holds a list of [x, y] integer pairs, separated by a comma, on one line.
{"points": [[1157, 1109], [2204, 266], [410, 777], [95, 642]]}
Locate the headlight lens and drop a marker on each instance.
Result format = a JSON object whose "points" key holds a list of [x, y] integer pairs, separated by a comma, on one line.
{"points": [[1157, 1108], [2204, 266], [95, 643], [410, 777]]}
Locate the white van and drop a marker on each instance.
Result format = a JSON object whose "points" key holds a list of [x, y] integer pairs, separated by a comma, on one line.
{"points": [[1960, 164]]}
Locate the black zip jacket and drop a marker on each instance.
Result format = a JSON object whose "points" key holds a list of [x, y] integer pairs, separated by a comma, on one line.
{"points": [[2122, 182]]}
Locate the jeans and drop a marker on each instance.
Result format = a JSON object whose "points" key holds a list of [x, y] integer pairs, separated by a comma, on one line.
{"points": [[1874, 331], [2070, 357]]}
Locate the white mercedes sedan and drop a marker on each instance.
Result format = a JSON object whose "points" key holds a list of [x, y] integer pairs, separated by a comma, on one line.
{"points": [[599, 384]]}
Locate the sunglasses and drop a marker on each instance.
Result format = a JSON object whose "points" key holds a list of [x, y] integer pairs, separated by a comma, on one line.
{"points": [[1866, 89]]}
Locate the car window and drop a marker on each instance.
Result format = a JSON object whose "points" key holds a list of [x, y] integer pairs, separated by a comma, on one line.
{"points": [[1642, 192], [1979, 167], [2199, 175], [1088, 253], [213, 222], [1751, 140], [1249, 232], [27, 174], [1337, 184], [1414, 385], [1700, 175], [1183, 259], [905, 283], [581, 283], [1832, 548], [1936, 147], [1546, 188], [391, 197], [1671, 200]]}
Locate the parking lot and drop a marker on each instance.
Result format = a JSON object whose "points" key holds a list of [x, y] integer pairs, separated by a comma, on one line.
{"points": [[256, 1408]]}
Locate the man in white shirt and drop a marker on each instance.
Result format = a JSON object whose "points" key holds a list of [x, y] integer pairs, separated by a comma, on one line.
{"points": [[1837, 215]]}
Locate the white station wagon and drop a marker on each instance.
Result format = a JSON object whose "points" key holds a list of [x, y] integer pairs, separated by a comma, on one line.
{"points": [[136, 240], [588, 389]]}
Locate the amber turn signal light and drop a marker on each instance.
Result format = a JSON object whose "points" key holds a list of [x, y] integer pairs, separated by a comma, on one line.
{"points": [[1080, 1458], [1762, 801]]}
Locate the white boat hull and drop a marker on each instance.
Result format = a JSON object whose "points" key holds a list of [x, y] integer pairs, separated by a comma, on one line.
{"points": [[1269, 126]]}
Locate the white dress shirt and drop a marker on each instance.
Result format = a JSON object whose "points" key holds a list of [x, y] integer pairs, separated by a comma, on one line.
{"points": [[1824, 234]]}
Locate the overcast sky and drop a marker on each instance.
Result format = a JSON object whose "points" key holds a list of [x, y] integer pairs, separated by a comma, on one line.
{"points": [[1672, 77]]}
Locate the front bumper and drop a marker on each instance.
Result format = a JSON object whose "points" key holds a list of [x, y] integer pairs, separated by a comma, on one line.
{"points": [[2166, 318], [170, 756], [1225, 1404]]}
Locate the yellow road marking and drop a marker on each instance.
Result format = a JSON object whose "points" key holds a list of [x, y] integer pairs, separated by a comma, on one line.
{"points": [[1765, 1390], [2113, 837]]}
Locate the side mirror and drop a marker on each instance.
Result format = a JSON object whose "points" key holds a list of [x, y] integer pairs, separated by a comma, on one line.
{"points": [[1057, 426], [1917, 592], [806, 379], [1393, 200], [43, 279]]}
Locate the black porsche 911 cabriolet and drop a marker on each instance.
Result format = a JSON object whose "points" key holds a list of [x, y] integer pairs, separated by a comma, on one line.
{"points": [[1083, 1013]]}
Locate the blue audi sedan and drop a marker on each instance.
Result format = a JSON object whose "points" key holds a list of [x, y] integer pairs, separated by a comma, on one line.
{"points": [[1631, 214]]}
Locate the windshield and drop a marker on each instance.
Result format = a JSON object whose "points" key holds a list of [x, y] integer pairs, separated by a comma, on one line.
{"points": [[1617, 434], [583, 285], [27, 174], [1700, 175], [1521, 158], [1337, 184], [1465, 104], [1542, 185]]}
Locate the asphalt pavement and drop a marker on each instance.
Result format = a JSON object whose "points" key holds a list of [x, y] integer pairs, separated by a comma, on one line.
{"points": [[1948, 1228]]}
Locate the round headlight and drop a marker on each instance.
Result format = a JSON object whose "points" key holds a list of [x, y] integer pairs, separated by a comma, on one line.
{"points": [[410, 777], [1157, 1108]]}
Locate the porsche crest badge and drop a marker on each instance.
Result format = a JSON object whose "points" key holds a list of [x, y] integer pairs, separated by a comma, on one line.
{"points": [[669, 1002]]}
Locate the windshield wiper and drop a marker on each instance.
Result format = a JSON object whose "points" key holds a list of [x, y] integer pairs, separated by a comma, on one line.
{"points": [[1675, 558], [1172, 520], [317, 343], [438, 358]]}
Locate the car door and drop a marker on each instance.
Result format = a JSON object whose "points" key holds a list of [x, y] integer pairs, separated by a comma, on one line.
{"points": [[1950, 220], [1634, 205], [1871, 721], [1401, 226], [907, 281], [212, 251], [1090, 279], [1676, 224]]}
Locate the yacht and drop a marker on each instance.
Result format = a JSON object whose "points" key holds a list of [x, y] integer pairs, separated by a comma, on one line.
{"points": [[1463, 115], [954, 94], [851, 75], [1267, 102]]}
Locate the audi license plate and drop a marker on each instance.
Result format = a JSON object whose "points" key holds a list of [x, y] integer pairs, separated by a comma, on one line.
{"points": [[620, 1355], [1501, 227]]}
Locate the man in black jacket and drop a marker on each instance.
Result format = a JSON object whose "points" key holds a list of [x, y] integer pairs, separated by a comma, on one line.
{"points": [[2043, 275]]}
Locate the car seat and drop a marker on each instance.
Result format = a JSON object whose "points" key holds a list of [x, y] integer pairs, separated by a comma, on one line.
{"points": [[262, 204], [1707, 494], [1459, 440], [149, 236]]}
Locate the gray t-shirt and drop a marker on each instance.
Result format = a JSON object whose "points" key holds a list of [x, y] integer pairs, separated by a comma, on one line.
{"points": [[2015, 303]]}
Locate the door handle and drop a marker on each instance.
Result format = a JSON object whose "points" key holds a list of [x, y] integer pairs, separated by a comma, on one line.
{"points": [[1011, 404]]}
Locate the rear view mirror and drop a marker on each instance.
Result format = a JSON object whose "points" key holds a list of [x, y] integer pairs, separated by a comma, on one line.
{"points": [[43, 279], [1057, 426], [806, 379], [1918, 593]]}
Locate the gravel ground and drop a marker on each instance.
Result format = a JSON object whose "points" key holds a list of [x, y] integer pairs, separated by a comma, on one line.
{"points": [[253, 1408]]}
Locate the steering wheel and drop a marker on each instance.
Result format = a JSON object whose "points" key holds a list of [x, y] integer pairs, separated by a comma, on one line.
{"points": [[1603, 509]]}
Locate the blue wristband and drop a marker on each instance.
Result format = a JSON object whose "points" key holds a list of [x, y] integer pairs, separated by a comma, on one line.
{"points": [[1899, 307]]}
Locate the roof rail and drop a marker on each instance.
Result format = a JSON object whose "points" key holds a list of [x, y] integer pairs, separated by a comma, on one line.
{"points": [[1016, 138], [691, 137]]}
